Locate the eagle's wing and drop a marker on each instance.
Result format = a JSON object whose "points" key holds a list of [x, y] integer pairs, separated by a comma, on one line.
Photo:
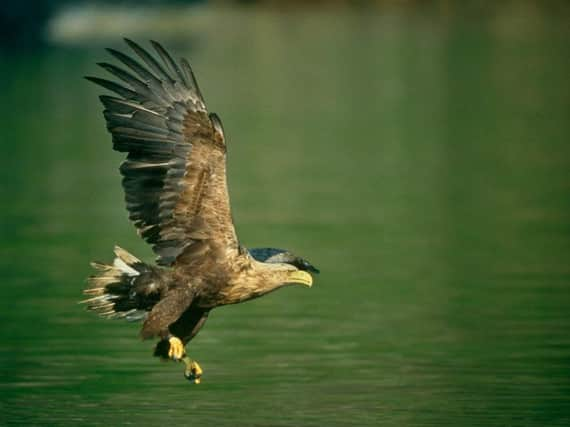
{"points": [[174, 176]]}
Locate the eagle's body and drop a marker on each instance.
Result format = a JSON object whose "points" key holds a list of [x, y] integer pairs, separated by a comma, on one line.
{"points": [[176, 192]]}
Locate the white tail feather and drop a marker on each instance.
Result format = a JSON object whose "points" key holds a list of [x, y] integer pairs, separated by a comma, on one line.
{"points": [[113, 284]]}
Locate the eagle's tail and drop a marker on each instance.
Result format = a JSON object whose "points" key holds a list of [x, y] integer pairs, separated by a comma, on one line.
{"points": [[127, 289]]}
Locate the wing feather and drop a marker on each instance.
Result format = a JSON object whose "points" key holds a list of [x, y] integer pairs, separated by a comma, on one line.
{"points": [[169, 62], [174, 176], [137, 85], [117, 88], [150, 62]]}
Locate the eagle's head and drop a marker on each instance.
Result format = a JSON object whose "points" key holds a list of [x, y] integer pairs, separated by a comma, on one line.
{"points": [[287, 267]]}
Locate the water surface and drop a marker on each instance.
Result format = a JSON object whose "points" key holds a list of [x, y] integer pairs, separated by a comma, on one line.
{"points": [[420, 159]]}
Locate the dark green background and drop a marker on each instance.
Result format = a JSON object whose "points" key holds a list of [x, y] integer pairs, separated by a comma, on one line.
{"points": [[420, 157]]}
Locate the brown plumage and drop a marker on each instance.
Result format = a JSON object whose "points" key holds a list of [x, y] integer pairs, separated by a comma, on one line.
{"points": [[174, 179]]}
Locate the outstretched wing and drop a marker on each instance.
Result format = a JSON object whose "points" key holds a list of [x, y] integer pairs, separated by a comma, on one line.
{"points": [[174, 176]]}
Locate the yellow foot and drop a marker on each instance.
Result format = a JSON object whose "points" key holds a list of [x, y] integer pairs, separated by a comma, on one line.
{"points": [[193, 371], [176, 350]]}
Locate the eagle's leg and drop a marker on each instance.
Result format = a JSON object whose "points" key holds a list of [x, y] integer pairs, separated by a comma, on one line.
{"points": [[193, 371], [173, 348], [176, 350]]}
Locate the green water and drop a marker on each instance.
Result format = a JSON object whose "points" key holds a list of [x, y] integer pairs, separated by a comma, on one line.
{"points": [[420, 159]]}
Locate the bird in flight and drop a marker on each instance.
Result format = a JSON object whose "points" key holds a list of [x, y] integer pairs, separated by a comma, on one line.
{"points": [[174, 178]]}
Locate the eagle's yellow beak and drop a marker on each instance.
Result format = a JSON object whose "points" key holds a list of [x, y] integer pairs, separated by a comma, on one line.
{"points": [[301, 277]]}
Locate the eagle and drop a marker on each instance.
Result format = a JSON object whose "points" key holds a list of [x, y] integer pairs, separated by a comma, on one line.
{"points": [[175, 185]]}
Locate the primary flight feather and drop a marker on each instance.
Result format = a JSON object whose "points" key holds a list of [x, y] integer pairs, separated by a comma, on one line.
{"points": [[176, 193]]}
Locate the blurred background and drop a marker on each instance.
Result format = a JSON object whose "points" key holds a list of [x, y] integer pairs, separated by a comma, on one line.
{"points": [[416, 152]]}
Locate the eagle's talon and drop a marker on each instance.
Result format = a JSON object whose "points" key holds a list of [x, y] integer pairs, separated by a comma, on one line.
{"points": [[193, 371], [176, 350]]}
